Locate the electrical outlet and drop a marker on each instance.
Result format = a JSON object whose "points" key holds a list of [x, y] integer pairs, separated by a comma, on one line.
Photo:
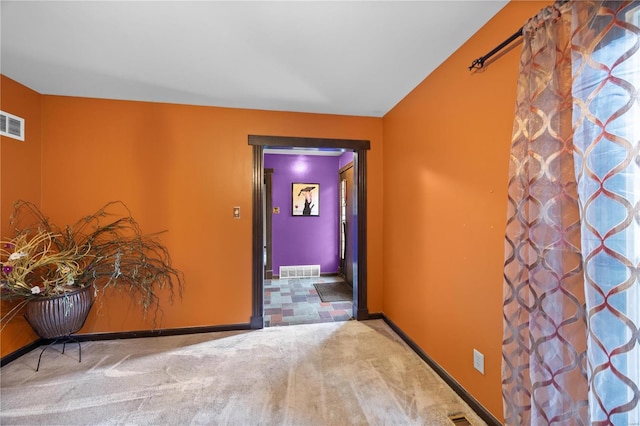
{"points": [[478, 361]]}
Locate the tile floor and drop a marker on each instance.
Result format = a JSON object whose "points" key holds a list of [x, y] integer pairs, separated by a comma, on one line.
{"points": [[295, 301]]}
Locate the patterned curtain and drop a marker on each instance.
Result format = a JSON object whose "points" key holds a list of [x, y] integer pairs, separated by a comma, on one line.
{"points": [[544, 347], [571, 352], [606, 85]]}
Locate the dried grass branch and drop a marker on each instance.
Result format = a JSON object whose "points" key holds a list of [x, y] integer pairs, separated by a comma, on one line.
{"points": [[106, 249]]}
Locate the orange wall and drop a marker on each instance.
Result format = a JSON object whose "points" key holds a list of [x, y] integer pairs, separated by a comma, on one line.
{"points": [[446, 157], [19, 160], [183, 168], [19, 179], [178, 168]]}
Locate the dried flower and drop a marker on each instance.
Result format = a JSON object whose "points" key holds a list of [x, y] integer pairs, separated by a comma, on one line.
{"points": [[38, 266], [17, 255]]}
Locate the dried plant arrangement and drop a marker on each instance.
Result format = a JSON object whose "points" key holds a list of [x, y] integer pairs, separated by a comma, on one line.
{"points": [[102, 250]]}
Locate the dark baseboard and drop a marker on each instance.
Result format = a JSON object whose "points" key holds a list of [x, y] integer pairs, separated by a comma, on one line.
{"points": [[126, 335], [457, 387], [22, 351], [157, 333], [376, 316]]}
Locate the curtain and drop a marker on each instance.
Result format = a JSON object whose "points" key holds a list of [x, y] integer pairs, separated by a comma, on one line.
{"points": [[606, 84], [571, 346], [544, 347]]}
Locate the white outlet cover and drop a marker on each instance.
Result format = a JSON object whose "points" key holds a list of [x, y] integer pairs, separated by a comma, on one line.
{"points": [[478, 361]]}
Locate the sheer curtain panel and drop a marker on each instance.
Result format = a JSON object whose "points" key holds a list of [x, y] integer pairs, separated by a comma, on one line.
{"points": [[571, 290], [606, 116]]}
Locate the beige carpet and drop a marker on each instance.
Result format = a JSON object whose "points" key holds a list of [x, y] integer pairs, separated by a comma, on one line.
{"points": [[348, 373]]}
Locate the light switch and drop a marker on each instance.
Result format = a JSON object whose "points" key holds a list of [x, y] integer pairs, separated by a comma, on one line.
{"points": [[236, 212]]}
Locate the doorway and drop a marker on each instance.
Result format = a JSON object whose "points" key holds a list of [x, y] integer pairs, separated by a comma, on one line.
{"points": [[359, 261]]}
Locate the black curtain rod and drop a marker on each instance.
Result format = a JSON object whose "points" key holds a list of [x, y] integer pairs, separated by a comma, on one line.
{"points": [[479, 63]]}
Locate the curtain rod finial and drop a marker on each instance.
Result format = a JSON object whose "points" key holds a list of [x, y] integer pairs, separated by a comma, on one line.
{"points": [[477, 64]]}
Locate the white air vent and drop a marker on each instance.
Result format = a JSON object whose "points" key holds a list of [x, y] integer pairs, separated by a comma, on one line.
{"points": [[299, 271], [11, 126]]}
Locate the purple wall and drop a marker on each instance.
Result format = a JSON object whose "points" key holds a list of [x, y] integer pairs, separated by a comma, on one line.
{"points": [[345, 159], [304, 240]]}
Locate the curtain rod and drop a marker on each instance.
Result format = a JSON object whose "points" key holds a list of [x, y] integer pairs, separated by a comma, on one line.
{"points": [[479, 63]]}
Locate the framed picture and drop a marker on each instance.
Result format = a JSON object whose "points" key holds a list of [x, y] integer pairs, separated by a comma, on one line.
{"points": [[305, 199]]}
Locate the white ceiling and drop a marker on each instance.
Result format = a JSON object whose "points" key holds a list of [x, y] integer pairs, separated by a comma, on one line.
{"points": [[335, 57]]}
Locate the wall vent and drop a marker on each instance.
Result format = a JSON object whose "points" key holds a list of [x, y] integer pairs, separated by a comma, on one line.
{"points": [[299, 271], [11, 126]]}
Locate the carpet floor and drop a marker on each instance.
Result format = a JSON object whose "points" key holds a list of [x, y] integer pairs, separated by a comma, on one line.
{"points": [[345, 373]]}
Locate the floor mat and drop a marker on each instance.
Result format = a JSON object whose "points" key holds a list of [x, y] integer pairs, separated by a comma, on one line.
{"points": [[334, 291]]}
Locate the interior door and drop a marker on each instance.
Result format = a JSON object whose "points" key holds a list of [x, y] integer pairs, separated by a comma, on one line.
{"points": [[268, 239], [346, 194]]}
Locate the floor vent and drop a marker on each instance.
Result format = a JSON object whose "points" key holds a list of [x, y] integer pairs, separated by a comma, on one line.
{"points": [[11, 126], [299, 271], [459, 420]]}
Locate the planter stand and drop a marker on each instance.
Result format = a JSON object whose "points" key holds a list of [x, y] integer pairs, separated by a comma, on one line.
{"points": [[64, 340]]}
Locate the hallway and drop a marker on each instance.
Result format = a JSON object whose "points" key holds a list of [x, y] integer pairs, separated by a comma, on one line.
{"points": [[296, 301]]}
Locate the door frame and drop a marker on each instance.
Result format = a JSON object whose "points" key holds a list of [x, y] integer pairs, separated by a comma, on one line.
{"points": [[360, 148]]}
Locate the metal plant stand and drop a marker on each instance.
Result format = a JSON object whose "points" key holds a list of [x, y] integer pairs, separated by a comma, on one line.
{"points": [[64, 340]]}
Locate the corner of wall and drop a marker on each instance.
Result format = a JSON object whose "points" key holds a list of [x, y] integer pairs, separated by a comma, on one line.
{"points": [[20, 178]]}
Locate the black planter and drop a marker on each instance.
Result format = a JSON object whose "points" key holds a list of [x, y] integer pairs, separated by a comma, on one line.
{"points": [[59, 316]]}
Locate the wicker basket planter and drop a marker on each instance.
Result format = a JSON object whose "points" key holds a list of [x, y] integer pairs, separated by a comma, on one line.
{"points": [[59, 316]]}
